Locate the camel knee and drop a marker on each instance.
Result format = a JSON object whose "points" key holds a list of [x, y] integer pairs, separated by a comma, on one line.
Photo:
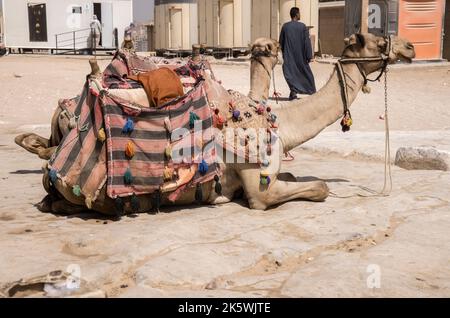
{"points": [[321, 191]]}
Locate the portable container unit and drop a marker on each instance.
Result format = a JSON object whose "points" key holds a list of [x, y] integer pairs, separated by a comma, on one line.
{"points": [[224, 23], [176, 24], [34, 24], [268, 17], [421, 22]]}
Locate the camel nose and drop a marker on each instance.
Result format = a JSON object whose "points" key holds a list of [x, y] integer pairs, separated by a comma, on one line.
{"points": [[409, 46]]}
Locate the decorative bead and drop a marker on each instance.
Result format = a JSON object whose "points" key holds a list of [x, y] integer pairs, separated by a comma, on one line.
{"points": [[217, 111], [236, 114], [266, 163], [260, 110], [269, 109]]}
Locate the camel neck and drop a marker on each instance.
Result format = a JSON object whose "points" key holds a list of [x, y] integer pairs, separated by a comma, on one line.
{"points": [[301, 120], [260, 77]]}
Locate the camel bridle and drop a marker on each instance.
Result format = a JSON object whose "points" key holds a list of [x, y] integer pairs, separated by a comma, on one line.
{"points": [[384, 58]]}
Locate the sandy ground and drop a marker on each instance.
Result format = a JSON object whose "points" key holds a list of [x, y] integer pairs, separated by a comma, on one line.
{"points": [[299, 249]]}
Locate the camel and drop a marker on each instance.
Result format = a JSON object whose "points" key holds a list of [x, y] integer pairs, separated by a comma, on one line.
{"points": [[298, 121]]}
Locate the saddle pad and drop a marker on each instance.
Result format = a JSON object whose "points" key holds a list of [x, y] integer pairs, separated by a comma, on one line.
{"points": [[149, 139]]}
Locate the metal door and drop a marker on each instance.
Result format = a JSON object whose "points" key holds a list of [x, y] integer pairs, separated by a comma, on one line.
{"points": [[37, 22]]}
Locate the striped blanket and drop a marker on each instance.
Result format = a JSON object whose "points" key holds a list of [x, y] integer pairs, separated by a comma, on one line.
{"points": [[149, 140], [86, 161]]}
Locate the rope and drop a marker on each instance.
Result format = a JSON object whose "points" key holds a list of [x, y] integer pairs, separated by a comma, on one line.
{"points": [[387, 186]]}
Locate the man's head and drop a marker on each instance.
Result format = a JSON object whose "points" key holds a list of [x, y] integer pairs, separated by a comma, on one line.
{"points": [[295, 13], [132, 25], [94, 17]]}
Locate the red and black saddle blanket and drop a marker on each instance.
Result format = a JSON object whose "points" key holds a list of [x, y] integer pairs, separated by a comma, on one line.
{"points": [[134, 150]]}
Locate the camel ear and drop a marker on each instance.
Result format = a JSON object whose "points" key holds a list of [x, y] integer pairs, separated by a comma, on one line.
{"points": [[360, 40], [347, 41], [381, 43], [32, 142]]}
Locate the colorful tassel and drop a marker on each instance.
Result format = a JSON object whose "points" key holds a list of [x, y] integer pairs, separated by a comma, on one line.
{"points": [[260, 110], [198, 193], [129, 126], [168, 174], [193, 117], [101, 135], [203, 167], [129, 150], [128, 177], [168, 124], [119, 205], [53, 175], [273, 118], [347, 121], [265, 178], [168, 152], [135, 203], [236, 114], [218, 186], [88, 202], [76, 190]]}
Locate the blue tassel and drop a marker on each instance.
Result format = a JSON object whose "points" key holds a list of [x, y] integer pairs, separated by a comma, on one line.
{"points": [[53, 175], [192, 118], [135, 204], [203, 167], [129, 126], [128, 177], [236, 114]]}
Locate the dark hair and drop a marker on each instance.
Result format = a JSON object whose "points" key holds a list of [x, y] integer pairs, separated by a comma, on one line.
{"points": [[294, 12]]}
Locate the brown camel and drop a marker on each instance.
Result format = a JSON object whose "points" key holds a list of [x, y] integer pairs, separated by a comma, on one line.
{"points": [[299, 121]]}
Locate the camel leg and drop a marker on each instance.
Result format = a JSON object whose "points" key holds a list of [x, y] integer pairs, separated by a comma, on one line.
{"points": [[261, 197]]}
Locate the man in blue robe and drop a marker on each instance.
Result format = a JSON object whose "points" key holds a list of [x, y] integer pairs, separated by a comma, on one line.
{"points": [[297, 54]]}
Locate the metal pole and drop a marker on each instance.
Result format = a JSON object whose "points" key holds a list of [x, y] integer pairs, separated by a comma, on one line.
{"points": [[56, 40], [365, 16], [74, 48]]}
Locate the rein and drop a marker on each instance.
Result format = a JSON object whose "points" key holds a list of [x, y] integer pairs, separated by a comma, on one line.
{"points": [[347, 121]]}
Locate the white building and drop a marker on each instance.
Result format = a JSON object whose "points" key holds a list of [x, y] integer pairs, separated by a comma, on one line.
{"points": [[48, 24], [226, 23]]}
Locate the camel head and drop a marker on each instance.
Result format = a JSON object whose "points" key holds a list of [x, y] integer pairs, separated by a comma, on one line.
{"points": [[264, 58], [267, 49], [369, 45]]}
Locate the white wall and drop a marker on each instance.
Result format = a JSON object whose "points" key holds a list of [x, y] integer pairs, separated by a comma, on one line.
{"points": [[59, 20]]}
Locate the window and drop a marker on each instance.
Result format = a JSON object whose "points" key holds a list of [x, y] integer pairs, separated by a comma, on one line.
{"points": [[77, 10]]}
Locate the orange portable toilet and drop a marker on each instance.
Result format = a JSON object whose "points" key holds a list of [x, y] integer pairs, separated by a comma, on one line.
{"points": [[420, 21]]}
